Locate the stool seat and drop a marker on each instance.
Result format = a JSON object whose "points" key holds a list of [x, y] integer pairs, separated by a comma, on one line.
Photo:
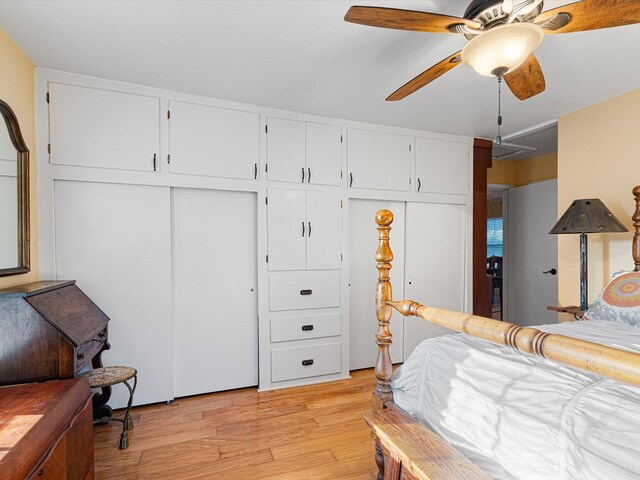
{"points": [[106, 376]]}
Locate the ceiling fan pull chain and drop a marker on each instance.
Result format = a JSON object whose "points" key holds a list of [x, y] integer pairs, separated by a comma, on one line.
{"points": [[499, 137]]}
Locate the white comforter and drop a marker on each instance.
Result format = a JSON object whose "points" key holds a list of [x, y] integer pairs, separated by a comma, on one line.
{"points": [[517, 416]]}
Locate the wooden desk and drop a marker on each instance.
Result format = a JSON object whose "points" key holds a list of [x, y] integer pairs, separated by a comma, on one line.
{"points": [[46, 431]]}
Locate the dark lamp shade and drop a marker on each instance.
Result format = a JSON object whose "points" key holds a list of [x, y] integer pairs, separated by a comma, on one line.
{"points": [[588, 216]]}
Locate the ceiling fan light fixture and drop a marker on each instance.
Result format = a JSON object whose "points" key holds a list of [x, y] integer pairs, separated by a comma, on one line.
{"points": [[503, 47]]}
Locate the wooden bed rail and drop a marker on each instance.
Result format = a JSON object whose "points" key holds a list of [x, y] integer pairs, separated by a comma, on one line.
{"points": [[605, 361]]}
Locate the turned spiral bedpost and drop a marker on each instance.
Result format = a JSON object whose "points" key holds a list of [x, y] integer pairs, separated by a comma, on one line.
{"points": [[384, 256], [636, 225]]}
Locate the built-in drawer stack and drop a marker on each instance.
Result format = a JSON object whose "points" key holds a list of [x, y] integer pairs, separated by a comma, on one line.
{"points": [[305, 306]]}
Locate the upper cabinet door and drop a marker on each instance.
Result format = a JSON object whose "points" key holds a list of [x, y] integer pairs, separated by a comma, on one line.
{"points": [[378, 160], [324, 154], [286, 150], [442, 166], [215, 142], [324, 230], [287, 229], [90, 127]]}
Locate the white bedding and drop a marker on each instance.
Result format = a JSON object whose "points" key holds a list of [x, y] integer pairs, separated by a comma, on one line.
{"points": [[517, 416]]}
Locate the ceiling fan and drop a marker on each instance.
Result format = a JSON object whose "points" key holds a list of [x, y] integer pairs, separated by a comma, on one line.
{"points": [[502, 34]]}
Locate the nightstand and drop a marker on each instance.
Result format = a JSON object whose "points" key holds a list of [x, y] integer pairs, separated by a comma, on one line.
{"points": [[577, 312]]}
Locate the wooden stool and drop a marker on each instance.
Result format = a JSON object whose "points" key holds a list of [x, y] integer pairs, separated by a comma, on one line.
{"points": [[107, 376]]}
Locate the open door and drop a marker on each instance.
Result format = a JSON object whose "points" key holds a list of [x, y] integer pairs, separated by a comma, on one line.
{"points": [[531, 254]]}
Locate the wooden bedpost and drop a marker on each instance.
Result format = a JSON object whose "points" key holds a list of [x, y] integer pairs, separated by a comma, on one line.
{"points": [[384, 256], [636, 224]]}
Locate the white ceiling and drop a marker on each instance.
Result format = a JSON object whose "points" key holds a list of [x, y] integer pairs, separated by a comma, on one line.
{"points": [[302, 56]]}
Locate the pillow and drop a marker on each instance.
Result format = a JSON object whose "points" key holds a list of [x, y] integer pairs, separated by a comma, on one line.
{"points": [[619, 301]]}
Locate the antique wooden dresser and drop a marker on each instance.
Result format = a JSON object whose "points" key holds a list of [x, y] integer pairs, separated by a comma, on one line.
{"points": [[46, 431]]}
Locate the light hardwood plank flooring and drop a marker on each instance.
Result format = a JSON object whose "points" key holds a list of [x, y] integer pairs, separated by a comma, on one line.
{"points": [[309, 433]]}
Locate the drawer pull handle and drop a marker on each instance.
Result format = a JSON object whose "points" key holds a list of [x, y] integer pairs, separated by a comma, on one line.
{"points": [[306, 363], [306, 292], [303, 229], [307, 328], [302, 174]]}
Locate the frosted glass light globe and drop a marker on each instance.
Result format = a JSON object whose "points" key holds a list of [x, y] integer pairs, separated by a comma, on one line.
{"points": [[506, 46]]}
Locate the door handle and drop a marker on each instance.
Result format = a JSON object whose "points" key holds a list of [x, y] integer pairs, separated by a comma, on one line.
{"points": [[309, 176], [350, 179], [303, 229], [553, 271], [309, 230], [419, 183], [302, 174], [255, 171], [154, 162]]}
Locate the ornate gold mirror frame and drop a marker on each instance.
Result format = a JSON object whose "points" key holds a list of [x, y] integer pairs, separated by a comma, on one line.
{"points": [[23, 264]]}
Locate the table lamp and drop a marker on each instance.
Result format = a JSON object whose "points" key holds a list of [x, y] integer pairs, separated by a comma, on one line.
{"points": [[586, 216]]}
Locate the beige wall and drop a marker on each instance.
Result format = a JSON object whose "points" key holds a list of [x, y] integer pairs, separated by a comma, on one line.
{"points": [[599, 151], [523, 172], [17, 89]]}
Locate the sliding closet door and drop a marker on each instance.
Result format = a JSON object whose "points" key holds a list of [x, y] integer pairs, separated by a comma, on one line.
{"points": [[435, 265], [115, 240], [215, 290], [363, 276]]}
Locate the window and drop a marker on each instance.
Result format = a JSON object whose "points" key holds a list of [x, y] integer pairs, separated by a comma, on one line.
{"points": [[494, 237]]}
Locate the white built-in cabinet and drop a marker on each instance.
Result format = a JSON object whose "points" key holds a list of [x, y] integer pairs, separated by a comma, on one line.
{"points": [[442, 166], [435, 259], [215, 309], [212, 141], [378, 160], [93, 127], [303, 152], [214, 235], [304, 229], [115, 241]]}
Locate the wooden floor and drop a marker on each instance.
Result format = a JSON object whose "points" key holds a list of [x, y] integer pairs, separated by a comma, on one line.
{"points": [[308, 433]]}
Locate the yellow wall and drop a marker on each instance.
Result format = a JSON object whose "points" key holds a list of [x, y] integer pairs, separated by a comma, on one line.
{"points": [[17, 89], [599, 151], [523, 172]]}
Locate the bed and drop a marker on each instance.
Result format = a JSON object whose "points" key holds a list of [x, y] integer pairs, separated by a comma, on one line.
{"points": [[557, 401]]}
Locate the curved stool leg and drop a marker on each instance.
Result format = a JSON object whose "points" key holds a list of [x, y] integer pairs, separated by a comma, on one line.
{"points": [[127, 423]]}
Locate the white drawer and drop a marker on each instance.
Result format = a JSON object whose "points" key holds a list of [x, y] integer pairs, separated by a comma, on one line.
{"points": [[308, 361], [304, 290], [287, 326]]}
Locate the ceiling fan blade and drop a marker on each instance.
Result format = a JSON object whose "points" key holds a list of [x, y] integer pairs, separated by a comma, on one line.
{"points": [[406, 19], [527, 80], [593, 15], [425, 77]]}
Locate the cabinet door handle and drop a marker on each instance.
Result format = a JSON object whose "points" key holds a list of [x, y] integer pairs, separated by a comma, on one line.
{"points": [[309, 176], [419, 183], [350, 179], [306, 363], [307, 328], [306, 292], [255, 171], [302, 174], [309, 230], [303, 229], [154, 162]]}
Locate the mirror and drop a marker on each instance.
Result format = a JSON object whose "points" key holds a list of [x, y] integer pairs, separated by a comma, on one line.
{"points": [[14, 196]]}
